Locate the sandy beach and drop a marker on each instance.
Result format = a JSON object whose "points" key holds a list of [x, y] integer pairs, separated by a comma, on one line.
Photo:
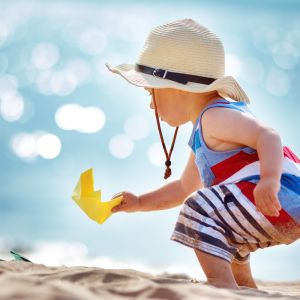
{"points": [[22, 280]]}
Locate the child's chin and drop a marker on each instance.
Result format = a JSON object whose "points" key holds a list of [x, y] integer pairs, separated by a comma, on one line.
{"points": [[172, 124]]}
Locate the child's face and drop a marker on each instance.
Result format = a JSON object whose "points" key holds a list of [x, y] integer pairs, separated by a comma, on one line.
{"points": [[171, 105]]}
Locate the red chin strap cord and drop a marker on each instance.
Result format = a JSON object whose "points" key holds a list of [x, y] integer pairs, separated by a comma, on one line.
{"points": [[168, 171]]}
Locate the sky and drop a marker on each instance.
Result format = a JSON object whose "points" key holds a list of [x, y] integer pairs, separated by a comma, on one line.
{"points": [[62, 112]]}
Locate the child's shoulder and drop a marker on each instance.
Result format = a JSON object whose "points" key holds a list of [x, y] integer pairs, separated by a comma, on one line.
{"points": [[229, 127]]}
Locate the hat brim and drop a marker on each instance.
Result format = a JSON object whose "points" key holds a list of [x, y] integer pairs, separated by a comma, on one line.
{"points": [[226, 86]]}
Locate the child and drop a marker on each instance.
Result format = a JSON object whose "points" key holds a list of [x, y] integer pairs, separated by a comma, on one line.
{"points": [[240, 189]]}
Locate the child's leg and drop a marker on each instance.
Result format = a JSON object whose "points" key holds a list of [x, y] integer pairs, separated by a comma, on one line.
{"points": [[242, 275], [218, 271]]}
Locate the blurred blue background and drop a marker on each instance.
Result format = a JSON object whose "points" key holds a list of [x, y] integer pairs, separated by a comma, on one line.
{"points": [[62, 112]]}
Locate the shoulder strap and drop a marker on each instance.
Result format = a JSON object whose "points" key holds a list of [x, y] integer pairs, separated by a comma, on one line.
{"points": [[241, 106]]}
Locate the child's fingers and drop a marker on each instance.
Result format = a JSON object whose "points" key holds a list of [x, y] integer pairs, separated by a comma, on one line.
{"points": [[277, 203], [264, 206], [266, 200], [274, 203], [261, 207], [270, 204], [115, 209], [120, 207], [117, 195], [260, 202]]}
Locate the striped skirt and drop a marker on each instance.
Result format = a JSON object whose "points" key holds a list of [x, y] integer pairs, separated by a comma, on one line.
{"points": [[222, 221]]}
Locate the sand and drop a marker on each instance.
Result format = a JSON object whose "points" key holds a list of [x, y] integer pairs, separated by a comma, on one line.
{"points": [[22, 280]]}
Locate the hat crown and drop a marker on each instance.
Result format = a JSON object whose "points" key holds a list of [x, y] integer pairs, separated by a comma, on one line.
{"points": [[184, 46]]}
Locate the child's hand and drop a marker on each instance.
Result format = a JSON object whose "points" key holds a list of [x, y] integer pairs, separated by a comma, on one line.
{"points": [[266, 196], [130, 203]]}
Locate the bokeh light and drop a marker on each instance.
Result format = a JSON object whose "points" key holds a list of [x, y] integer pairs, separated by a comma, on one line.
{"points": [[48, 146], [3, 63], [24, 145], [11, 107], [81, 69], [8, 85], [63, 82], [92, 41], [121, 146], [155, 154], [278, 83], [285, 55], [252, 70], [137, 127], [83, 119], [4, 33], [266, 37], [43, 81], [45, 55], [29, 145]]}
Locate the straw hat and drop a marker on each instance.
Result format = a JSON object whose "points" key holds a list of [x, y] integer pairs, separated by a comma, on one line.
{"points": [[183, 55]]}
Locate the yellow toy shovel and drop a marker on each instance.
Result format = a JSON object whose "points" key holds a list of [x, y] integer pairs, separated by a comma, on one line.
{"points": [[90, 201]]}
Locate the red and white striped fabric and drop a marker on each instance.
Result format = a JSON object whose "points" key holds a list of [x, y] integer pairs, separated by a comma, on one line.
{"points": [[242, 166]]}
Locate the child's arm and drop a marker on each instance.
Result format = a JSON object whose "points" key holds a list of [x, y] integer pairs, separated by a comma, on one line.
{"points": [[233, 126], [168, 196], [173, 193]]}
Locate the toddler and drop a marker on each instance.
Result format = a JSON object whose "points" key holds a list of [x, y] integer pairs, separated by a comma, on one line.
{"points": [[240, 189]]}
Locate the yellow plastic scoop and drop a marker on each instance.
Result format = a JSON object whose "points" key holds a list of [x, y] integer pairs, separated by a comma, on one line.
{"points": [[90, 201]]}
